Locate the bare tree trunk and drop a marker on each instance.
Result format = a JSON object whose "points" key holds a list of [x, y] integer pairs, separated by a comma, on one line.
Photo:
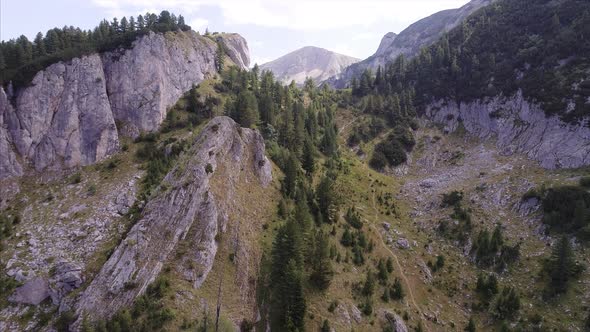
{"points": [[218, 304]]}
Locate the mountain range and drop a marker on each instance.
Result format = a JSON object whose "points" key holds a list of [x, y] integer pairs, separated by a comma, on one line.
{"points": [[151, 181]]}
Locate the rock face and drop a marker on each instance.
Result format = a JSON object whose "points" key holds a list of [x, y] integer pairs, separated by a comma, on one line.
{"points": [[394, 321], [314, 62], [409, 42], [144, 81], [32, 292], [236, 48], [518, 127], [187, 208], [66, 117], [9, 165]]}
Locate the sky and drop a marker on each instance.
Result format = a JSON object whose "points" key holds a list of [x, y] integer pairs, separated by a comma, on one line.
{"points": [[272, 28]]}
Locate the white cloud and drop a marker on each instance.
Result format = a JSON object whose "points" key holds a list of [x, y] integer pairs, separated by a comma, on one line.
{"points": [[198, 24], [306, 15]]}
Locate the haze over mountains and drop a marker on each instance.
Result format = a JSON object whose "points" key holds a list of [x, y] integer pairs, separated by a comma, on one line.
{"points": [[309, 61]]}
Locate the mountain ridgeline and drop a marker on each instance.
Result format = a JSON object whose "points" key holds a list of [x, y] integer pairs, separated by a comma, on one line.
{"points": [[151, 181], [410, 41], [316, 63], [515, 70]]}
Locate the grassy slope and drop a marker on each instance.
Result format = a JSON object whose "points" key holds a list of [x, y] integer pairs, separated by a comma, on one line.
{"points": [[451, 293]]}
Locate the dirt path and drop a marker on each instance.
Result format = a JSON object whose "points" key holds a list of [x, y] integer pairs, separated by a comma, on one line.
{"points": [[347, 125], [399, 266]]}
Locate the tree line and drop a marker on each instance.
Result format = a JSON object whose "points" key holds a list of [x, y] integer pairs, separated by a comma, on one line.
{"points": [[21, 59], [540, 48]]}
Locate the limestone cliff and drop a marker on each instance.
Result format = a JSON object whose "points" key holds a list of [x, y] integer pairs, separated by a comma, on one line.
{"points": [[518, 126], [186, 205], [67, 116]]}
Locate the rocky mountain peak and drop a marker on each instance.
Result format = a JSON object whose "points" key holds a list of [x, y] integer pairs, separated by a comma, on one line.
{"points": [[386, 42], [310, 61]]}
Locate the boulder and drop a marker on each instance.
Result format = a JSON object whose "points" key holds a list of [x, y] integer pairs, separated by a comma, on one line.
{"points": [[356, 314], [395, 321], [403, 243], [67, 277], [32, 292]]}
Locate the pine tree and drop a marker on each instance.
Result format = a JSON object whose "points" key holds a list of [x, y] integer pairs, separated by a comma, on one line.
{"points": [[2, 63], [389, 265], [346, 238], [325, 326], [140, 22], [322, 271], [286, 281], [132, 24], [308, 158], [220, 56], [39, 45], [327, 199], [369, 285], [470, 326], [397, 291], [561, 266], [291, 176], [507, 303], [124, 25], [246, 109], [382, 271]]}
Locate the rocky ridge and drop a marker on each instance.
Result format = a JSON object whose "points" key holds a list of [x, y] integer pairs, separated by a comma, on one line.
{"points": [[185, 206], [409, 42], [73, 112]]}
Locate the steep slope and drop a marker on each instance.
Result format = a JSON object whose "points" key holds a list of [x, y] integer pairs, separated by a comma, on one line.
{"points": [[528, 89], [409, 42], [314, 62], [73, 113], [185, 206]]}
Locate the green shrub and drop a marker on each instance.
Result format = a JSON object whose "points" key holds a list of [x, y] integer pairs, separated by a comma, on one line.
{"points": [[566, 208], [585, 182], [452, 199], [76, 178], [209, 168], [92, 190]]}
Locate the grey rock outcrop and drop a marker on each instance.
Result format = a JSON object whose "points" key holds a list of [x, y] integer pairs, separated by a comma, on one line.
{"points": [[9, 165], [236, 48], [518, 127], [67, 116], [394, 321], [32, 292], [187, 208], [144, 81], [64, 118], [66, 278], [314, 62], [409, 42]]}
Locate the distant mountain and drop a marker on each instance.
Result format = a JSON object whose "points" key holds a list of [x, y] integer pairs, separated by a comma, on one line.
{"points": [[409, 42], [309, 61]]}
